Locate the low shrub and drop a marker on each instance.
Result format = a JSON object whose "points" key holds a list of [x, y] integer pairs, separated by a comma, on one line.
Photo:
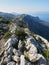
{"points": [[26, 55], [22, 24], [5, 21], [46, 54], [21, 34]]}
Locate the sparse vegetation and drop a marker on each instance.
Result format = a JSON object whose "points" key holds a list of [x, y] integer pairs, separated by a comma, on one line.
{"points": [[22, 24], [26, 55], [5, 21], [7, 35], [4, 28], [46, 54], [32, 34], [21, 34]]}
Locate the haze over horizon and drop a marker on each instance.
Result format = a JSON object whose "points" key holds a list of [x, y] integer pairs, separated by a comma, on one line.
{"points": [[24, 6]]}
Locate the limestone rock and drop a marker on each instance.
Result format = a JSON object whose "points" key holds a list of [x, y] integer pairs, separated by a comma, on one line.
{"points": [[17, 64], [19, 45], [32, 50], [7, 59], [15, 58], [10, 42], [11, 63], [22, 60], [9, 51], [29, 56], [16, 52]]}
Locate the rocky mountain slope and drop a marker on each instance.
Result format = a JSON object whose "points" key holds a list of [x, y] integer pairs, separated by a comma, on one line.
{"points": [[23, 48], [20, 46], [4, 26], [36, 25]]}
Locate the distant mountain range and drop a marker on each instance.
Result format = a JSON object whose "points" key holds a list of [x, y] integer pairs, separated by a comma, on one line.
{"points": [[35, 24], [6, 15], [42, 15]]}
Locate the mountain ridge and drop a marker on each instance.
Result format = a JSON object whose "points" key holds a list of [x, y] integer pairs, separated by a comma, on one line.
{"points": [[35, 25], [19, 45]]}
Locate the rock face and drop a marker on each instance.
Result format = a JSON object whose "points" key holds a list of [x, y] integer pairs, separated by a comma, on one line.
{"points": [[42, 60], [13, 28], [8, 50], [13, 56], [32, 50], [22, 60], [46, 42], [11, 63], [16, 58]]}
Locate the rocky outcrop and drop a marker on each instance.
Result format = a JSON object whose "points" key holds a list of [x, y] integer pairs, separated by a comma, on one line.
{"points": [[22, 60], [32, 54], [8, 50], [13, 28], [42, 60], [45, 42], [26, 54], [11, 63]]}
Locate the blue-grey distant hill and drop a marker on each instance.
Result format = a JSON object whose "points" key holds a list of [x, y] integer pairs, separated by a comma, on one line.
{"points": [[42, 15], [6, 15]]}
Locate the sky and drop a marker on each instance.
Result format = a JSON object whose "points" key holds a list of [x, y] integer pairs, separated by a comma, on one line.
{"points": [[24, 6]]}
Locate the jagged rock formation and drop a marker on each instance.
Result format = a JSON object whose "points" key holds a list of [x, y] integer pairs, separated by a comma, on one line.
{"points": [[15, 56], [23, 47]]}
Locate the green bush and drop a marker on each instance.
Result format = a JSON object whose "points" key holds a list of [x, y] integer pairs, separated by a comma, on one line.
{"points": [[46, 54], [22, 24], [26, 55], [5, 21], [21, 34], [32, 34]]}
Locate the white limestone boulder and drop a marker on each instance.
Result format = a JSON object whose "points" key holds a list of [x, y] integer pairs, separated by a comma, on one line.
{"points": [[16, 52], [11, 63], [22, 60], [16, 58], [32, 50]]}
